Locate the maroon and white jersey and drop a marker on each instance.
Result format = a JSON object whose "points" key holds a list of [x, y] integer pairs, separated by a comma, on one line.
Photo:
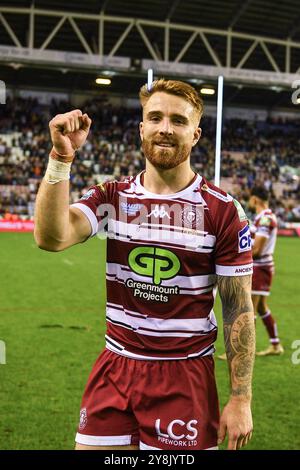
{"points": [[265, 225], [163, 256]]}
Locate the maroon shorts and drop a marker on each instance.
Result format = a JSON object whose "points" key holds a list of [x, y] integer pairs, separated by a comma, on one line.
{"points": [[163, 405], [262, 280]]}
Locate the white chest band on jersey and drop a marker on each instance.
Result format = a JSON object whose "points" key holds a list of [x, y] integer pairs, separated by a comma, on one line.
{"points": [[57, 171]]}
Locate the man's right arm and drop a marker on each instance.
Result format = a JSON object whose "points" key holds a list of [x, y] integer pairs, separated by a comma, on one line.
{"points": [[57, 225]]}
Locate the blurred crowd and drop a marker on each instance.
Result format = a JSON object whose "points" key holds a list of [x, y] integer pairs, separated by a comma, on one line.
{"points": [[266, 152]]}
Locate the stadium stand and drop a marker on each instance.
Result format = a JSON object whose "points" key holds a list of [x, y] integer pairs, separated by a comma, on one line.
{"points": [[50, 48], [52, 54], [253, 151]]}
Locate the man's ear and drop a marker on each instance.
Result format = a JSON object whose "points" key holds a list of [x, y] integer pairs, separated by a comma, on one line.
{"points": [[141, 127], [197, 135]]}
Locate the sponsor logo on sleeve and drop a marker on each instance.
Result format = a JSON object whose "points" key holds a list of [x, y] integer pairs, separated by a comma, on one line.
{"points": [[244, 270], [87, 195], [101, 187], [240, 210], [244, 239], [222, 197]]}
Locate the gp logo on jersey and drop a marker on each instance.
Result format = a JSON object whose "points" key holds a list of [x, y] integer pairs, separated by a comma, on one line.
{"points": [[154, 262], [244, 239]]}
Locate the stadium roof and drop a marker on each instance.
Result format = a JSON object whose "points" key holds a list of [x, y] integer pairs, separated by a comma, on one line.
{"points": [[273, 18], [264, 36]]}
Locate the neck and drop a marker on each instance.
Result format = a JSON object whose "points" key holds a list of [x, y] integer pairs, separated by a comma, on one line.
{"points": [[171, 181], [261, 207]]}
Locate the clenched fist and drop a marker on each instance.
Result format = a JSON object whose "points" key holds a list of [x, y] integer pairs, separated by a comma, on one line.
{"points": [[69, 131]]}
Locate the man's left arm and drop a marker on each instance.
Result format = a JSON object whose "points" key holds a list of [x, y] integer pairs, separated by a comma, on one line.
{"points": [[239, 337], [259, 243]]}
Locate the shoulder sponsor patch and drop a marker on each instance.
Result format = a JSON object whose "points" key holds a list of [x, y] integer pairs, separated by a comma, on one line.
{"points": [[101, 187], [89, 194], [244, 239], [240, 210], [222, 197]]}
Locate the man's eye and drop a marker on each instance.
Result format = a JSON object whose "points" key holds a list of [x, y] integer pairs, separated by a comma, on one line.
{"points": [[155, 119]]}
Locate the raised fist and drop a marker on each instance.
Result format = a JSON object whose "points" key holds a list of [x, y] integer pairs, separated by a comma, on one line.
{"points": [[69, 131]]}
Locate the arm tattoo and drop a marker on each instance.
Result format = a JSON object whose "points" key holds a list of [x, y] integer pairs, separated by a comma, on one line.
{"points": [[239, 331]]}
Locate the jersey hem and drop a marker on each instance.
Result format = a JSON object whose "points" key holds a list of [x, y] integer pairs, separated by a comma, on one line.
{"points": [[209, 351]]}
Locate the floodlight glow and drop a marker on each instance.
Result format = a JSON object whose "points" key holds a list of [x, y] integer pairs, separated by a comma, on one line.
{"points": [[103, 81], [207, 91]]}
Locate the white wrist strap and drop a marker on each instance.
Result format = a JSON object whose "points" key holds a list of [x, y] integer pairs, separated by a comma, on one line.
{"points": [[57, 171]]}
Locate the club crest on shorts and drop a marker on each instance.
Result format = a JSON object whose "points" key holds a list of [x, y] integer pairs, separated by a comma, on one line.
{"points": [[83, 418]]}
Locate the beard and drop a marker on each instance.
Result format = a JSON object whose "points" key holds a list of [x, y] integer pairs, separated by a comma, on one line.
{"points": [[165, 158]]}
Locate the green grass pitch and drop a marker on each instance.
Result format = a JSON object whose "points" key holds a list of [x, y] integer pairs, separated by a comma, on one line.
{"points": [[52, 322]]}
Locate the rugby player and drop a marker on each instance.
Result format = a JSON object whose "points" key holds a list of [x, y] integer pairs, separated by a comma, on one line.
{"points": [[172, 237], [264, 231]]}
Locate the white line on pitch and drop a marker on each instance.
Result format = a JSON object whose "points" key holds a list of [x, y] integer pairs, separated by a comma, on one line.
{"points": [[68, 262]]}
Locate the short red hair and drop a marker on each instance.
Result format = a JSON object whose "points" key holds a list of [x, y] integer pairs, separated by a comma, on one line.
{"points": [[173, 87]]}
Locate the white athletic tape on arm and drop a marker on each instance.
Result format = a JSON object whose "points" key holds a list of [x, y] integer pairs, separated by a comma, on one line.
{"points": [[57, 171]]}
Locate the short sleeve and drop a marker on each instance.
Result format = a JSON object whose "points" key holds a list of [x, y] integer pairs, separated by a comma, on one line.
{"points": [[265, 226], [233, 252], [90, 203]]}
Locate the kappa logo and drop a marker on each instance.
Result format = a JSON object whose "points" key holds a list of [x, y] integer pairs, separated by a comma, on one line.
{"points": [[159, 212], [244, 239], [178, 433]]}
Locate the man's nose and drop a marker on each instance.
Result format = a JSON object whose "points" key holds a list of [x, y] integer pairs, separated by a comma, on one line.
{"points": [[166, 127]]}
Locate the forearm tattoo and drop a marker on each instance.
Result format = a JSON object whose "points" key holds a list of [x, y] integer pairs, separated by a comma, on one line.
{"points": [[239, 331]]}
